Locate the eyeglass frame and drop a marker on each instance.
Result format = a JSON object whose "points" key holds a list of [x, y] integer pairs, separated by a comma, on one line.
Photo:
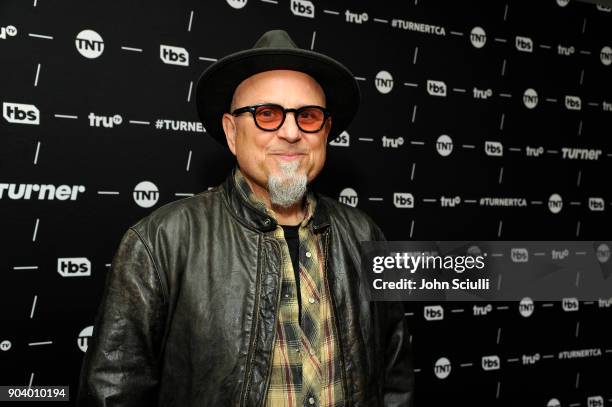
{"points": [[253, 108]]}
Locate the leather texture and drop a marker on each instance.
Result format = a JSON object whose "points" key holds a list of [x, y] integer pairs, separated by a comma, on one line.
{"points": [[188, 310]]}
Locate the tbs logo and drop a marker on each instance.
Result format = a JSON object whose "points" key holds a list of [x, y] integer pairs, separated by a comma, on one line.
{"points": [[519, 255], [433, 313], [342, 140], [490, 362], [403, 200], [523, 44], [174, 55], [595, 401], [20, 113], [494, 148], [573, 102], [303, 8], [436, 88], [570, 304], [596, 204], [74, 267]]}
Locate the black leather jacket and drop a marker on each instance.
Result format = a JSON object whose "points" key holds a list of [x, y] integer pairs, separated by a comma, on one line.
{"points": [[188, 311]]}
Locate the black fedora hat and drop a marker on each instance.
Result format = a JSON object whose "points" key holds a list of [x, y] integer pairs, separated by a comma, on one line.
{"points": [[275, 50]]}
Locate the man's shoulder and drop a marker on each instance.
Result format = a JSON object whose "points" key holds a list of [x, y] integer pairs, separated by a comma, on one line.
{"points": [[351, 219]]}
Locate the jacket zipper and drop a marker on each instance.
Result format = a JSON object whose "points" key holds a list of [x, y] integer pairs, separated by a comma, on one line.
{"points": [[345, 388]]}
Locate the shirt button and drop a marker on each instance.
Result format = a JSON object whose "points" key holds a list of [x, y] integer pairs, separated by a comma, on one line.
{"points": [[311, 400], [311, 300], [286, 295], [308, 254]]}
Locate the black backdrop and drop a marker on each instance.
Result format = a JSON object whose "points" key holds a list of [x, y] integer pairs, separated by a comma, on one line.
{"points": [[521, 92]]}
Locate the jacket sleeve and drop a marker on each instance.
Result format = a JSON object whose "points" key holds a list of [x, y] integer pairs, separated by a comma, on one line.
{"points": [[398, 388], [121, 365]]}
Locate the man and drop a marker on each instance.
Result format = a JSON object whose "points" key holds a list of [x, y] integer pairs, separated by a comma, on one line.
{"points": [[250, 294]]}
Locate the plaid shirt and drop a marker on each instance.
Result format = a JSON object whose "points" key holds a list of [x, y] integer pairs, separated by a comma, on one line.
{"points": [[306, 369]]}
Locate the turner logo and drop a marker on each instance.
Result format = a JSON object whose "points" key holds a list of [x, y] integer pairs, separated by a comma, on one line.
{"points": [[342, 140], [444, 145], [349, 197], [580, 153], [526, 307], [8, 31], [383, 82], [595, 401], [478, 37], [237, 4], [433, 313], [74, 267], [530, 98], [42, 192], [570, 304], [20, 113], [84, 337], [494, 148], [104, 121], [303, 8], [146, 194], [490, 362], [596, 204], [602, 253], [523, 44], [392, 142], [89, 44], [519, 255], [606, 55], [174, 55], [555, 203], [436, 88], [403, 200], [442, 368], [573, 102]]}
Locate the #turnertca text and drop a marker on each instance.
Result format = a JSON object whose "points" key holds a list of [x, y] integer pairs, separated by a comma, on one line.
{"points": [[411, 262]]}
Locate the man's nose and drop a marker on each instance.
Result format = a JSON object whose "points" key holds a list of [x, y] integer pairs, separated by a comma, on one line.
{"points": [[289, 130]]}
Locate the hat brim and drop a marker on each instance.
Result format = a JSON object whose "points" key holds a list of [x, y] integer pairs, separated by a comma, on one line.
{"points": [[217, 83]]}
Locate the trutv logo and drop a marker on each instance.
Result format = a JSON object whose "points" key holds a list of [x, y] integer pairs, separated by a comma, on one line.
{"points": [[20, 113]]}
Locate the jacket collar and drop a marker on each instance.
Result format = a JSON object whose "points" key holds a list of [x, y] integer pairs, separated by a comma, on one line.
{"points": [[246, 206]]}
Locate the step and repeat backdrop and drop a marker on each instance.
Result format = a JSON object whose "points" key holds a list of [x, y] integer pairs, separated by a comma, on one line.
{"points": [[486, 120]]}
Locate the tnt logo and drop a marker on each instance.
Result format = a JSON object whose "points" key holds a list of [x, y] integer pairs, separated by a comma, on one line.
{"points": [[5, 345], [523, 44], [74, 267], [596, 204], [442, 368], [555, 203], [606, 55], [105, 121], [444, 145], [174, 55], [562, 3], [494, 148], [605, 9], [8, 31], [383, 82], [519, 255], [602, 253], [83, 338], [573, 102], [146, 194], [20, 113], [433, 313], [570, 304], [349, 197], [237, 4], [526, 307], [595, 401], [303, 8], [436, 88], [553, 403], [490, 362], [89, 44], [342, 140], [530, 98], [403, 200], [478, 37]]}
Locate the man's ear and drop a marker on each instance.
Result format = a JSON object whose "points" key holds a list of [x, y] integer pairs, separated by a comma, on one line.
{"points": [[229, 128], [328, 126]]}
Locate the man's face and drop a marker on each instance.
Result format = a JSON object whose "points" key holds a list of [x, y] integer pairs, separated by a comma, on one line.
{"points": [[264, 154]]}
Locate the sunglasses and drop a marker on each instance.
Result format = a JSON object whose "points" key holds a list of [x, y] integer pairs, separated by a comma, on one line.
{"points": [[270, 116]]}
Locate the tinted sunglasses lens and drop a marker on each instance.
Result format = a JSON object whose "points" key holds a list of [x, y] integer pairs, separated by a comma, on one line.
{"points": [[269, 117], [311, 119]]}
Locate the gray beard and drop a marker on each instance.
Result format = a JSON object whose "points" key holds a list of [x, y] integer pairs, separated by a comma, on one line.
{"points": [[288, 187]]}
